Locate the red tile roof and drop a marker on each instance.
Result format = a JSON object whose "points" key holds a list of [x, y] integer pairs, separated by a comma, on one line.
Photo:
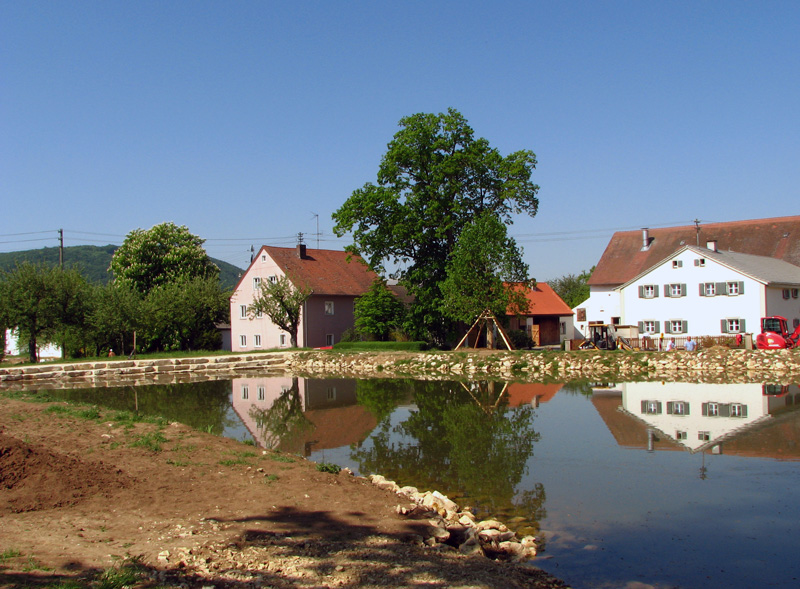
{"points": [[542, 300], [623, 259], [326, 272]]}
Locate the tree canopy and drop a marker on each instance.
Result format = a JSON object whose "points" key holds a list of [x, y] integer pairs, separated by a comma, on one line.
{"points": [[378, 312], [571, 288], [161, 255], [282, 302], [434, 179]]}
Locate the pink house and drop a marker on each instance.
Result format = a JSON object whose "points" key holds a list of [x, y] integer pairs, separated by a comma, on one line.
{"points": [[335, 278]]}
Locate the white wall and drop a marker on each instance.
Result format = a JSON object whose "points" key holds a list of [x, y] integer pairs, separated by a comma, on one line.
{"points": [[603, 304], [703, 313], [777, 305]]}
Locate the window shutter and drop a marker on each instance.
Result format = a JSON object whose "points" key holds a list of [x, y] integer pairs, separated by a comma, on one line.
{"points": [[702, 289], [741, 287], [724, 409], [683, 290], [697, 261], [723, 326], [670, 407], [667, 327], [641, 291], [666, 290], [722, 288], [742, 328], [686, 408], [658, 326], [655, 291], [684, 326], [744, 410], [705, 408], [641, 326], [644, 406], [658, 408]]}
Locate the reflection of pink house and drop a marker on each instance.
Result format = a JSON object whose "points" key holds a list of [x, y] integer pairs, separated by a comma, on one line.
{"points": [[335, 279]]}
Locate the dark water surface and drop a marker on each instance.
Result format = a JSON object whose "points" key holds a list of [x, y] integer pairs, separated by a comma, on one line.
{"points": [[632, 484]]}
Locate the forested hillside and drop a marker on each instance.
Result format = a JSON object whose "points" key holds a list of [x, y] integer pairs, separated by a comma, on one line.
{"points": [[93, 262]]}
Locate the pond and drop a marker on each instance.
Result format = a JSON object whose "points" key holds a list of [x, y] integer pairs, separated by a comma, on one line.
{"points": [[663, 484]]}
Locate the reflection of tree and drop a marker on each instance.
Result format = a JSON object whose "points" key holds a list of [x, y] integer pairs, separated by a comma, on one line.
{"points": [[461, 448], [381, 396], [202, 405], [283, 424]]}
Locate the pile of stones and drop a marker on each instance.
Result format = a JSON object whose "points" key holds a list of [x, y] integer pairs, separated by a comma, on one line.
{"points": [[449, 527]]}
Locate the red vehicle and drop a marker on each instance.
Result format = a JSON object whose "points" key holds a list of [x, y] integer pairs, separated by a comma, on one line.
{"points": [[775, 334]]}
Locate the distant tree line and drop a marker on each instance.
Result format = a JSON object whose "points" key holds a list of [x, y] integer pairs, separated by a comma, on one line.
{"points": [[165, 290]]}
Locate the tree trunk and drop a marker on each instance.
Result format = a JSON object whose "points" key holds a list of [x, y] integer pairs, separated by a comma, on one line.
{"points": [[32, 350]]}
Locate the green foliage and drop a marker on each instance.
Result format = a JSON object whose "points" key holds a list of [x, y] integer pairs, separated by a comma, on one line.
{"points": [[434, 179], [571, 288], [484, 259], [377, 346], [161, 255], [150, 441], [329, 467], [519, 339], [378, 312], [282, 302]]}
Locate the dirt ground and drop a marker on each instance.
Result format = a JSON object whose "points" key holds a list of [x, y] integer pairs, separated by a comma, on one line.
{"points": [[81, 492]]}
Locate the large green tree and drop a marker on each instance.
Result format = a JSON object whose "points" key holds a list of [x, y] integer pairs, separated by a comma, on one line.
{"points": [[434, 179], [378, 312], [484, 260], [571, 288], [161, 255], [282, 302]]}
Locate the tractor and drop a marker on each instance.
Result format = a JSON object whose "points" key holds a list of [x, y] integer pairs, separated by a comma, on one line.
{"points": [[775, 334]]}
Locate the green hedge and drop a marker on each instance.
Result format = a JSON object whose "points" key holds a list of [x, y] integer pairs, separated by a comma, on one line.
{"points": [[379, 346]]}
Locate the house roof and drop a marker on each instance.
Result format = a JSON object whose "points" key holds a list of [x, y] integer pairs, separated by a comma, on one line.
{"points": [[623, 258], [542, 300], [763, 269], [325, 272]]}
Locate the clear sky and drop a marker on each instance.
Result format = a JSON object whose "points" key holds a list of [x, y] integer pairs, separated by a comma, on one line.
{"points": [[244, 120]]}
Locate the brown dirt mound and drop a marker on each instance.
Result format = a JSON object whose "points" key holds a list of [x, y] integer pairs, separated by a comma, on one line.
{"points": [[33, 478]]}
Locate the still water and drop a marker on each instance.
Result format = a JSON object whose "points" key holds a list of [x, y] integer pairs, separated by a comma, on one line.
{"points": [[663, 484]]}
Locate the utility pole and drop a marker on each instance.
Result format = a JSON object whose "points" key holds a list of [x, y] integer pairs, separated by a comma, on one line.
{"points": [[61, 248], [697, 230]]}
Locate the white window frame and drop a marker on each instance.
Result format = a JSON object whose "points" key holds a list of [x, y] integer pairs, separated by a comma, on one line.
{"points": [[713, 410], [676, 326], [674, 290], [649, 291], [710, 289], [734, 325], [282, 339], [329, 307], [732, 288], [245, 392], [242, 341], [704, 436], [738, 410], [680, 435], [263, 257], [649, 326], [273, 279], [257, 340], [256, 283], [242, 311], [262, 392]]}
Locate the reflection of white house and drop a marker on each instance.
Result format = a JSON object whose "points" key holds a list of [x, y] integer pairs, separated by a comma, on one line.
{"points": [[13, 347], [701, 291], [630, 254]]}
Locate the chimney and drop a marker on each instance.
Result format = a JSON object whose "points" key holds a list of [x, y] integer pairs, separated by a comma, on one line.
{"points": [[645, 239], [301, 250], [712, 245]]}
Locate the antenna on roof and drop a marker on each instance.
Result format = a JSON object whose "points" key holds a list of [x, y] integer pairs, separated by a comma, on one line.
{"points": [[697, 230], [299, 238], [316, 216], [252, 254]]}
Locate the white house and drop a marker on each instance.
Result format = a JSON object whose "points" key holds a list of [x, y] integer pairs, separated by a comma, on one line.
{"points": [[630, 253], [700, 291]]}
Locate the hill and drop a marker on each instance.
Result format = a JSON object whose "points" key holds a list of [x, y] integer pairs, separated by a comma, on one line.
{"points": [[93, 262]]}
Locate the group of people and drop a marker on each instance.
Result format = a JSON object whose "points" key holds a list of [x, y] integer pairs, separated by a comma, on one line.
{"points": [[689, 346]]}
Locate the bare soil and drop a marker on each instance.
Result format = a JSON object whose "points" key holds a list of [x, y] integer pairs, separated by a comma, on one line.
{"points": [[78, 495]]}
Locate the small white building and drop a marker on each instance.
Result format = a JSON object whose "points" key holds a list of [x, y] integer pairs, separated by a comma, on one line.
{"points": [[700, 291]]}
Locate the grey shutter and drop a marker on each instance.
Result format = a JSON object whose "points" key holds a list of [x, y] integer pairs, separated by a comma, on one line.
{"points": [[655, 291], [641, 291], [685, 408], [702, 289], [683, 290], [658, 326], [667, 327], [641, 326], [705, 408], [644, 406], [670, 407], [741, 326], [666, 290], [722, 288], [744, 410], [723, 326], [658, 408], [697, 261], [724, 409], [741, 287], [685, 326]]}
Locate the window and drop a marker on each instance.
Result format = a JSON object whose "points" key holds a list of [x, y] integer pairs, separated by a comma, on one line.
{"points": [[263, 257], [711, 409], [563, 327], [648, 291], [257, 340], [649, 326], [242, 311], [795, 323], [329, 307], [701, 262], [256, 283], [735, 288], [273, 279], [738, 410], [283, 339], [734, 325], [243, 341], [795, 293], [677, 263], [329, 339], [785, 293], [245, 392], [679, 435], [260, 315], [704, 436], [651, 407], [677, 408], [676, 326], [709, 289], [331, 393], [261, 392], [674, 290]]}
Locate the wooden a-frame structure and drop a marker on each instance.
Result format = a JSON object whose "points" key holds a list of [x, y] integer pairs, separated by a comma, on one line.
{"points": [[489, 321]]}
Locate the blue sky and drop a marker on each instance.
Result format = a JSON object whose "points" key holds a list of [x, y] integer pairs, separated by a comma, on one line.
{"points": [[242, 120]]}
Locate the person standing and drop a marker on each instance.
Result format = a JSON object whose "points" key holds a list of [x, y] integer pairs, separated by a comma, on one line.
{"points": [[691, 345]]}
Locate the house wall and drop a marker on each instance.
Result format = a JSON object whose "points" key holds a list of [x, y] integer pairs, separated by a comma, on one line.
{"points": [[321, 324], [703, 314], [603, 304], [789, 308]]}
